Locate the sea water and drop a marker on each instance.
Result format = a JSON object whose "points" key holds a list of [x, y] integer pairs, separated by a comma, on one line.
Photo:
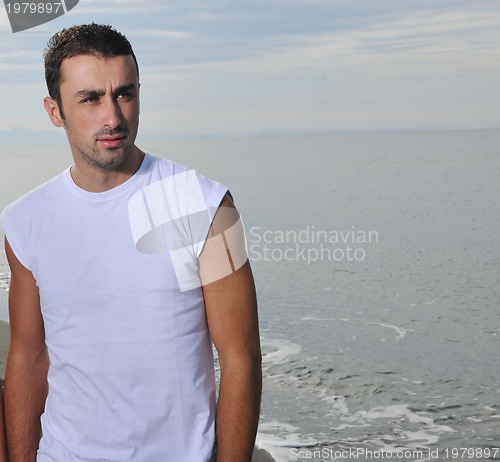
{"points": [[377, 263]]}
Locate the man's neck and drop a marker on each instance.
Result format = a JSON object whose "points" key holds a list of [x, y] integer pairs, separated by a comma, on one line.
{"points": [[94, 179]]}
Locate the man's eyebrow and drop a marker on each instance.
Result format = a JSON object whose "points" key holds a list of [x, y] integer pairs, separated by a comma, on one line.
{"points": [[87, 93], [90, 93], [125, 88]]}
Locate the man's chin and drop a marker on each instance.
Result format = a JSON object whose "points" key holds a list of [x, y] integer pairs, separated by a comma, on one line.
{"points": [[107, 159], [113, 162]]}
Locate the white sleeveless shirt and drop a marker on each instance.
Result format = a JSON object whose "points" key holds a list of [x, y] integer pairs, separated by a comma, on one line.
{"points": [[131, 374]]}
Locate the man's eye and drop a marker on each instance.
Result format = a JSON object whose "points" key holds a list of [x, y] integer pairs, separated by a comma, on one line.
{"points": [[90, 99], [125, 96]]}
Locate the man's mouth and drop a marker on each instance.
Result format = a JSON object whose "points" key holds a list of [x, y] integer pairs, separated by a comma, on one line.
{"points": [[112, 141]]}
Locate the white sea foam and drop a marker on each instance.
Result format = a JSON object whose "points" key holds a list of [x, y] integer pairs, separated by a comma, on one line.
{"points": [[426, 435], [281, 351], [278, 438], [261, 455], [336, 402], [400, 331], [315, 318], [4, 281]]}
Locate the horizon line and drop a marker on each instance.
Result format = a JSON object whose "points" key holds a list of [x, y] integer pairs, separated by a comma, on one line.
{"points": [[55, 136]]}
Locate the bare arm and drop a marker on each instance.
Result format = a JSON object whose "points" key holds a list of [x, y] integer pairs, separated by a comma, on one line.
{"points": [[3, 441], [231, 306], [27, 364]]}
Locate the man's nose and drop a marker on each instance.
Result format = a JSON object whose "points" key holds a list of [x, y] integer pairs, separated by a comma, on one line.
{"points": [[112, 114]]}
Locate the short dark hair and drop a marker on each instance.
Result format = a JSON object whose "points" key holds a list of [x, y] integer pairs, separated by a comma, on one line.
{"points": [[86, 39]]}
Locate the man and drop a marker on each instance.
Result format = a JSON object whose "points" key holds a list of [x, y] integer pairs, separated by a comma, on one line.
{"points": [[116, 291]]}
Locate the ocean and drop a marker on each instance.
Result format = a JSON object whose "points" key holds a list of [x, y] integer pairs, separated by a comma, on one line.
{"points": [[377, 263]]}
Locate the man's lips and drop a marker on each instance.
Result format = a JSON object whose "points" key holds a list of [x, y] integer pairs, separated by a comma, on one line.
{"points": [[112, 141]]}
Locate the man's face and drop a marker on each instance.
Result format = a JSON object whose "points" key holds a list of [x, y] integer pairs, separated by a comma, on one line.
{"points": [[100, 102]]}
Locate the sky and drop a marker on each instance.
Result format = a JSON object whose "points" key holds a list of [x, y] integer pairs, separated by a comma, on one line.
{"points": [[258, 66]]}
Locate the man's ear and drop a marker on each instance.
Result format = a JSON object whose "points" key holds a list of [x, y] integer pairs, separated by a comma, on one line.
{"points": [[53, 111]]}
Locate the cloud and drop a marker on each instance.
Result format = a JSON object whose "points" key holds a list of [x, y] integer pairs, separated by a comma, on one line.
{"points": [[426, 44], [267, 56], [450, 42], [292, 34]]}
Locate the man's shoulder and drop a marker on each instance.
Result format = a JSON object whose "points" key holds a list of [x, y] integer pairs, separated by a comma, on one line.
{"points": [[168, 168], [185, 187]]}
